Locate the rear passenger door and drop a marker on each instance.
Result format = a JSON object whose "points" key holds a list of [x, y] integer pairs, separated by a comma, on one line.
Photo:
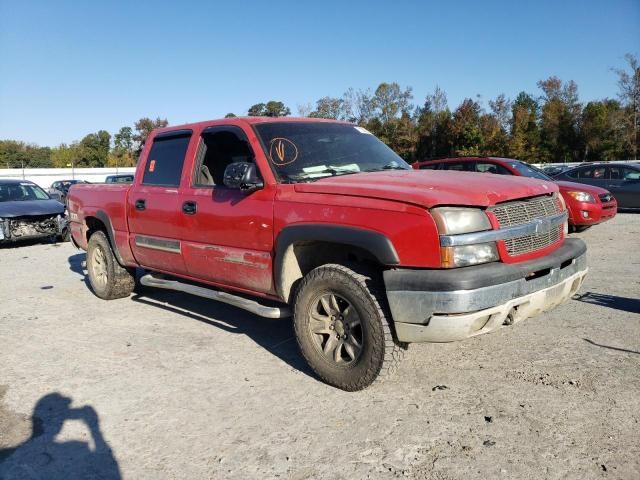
{"points": [[153, 206]]}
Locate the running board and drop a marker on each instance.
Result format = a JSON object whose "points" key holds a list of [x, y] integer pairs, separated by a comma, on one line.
{"points": [[252, 306]]}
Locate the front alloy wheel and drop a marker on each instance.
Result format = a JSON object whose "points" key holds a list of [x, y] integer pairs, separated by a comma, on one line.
{"points": [[337, 328]]}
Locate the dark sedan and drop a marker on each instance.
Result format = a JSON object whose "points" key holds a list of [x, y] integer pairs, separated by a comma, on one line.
{"points": [[621, 179], [60, 188], [27, 212]]}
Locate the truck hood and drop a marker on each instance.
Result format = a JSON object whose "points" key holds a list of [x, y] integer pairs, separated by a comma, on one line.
{"points": [[580, 187], [28, 208], [429, 188]]}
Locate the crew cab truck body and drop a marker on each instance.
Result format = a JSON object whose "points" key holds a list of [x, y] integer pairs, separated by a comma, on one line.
{"points": [[321, 219]]}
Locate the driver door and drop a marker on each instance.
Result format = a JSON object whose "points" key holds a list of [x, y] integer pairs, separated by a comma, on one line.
{"points": [[227, 235]]}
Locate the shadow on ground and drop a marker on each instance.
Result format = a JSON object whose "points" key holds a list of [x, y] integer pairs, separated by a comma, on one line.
{"points": [[631, 305], [610, 347], [275, 336], [42, 456]]}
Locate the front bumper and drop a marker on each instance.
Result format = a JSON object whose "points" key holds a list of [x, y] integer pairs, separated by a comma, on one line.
{"points": [[583, 213], [449, 305], [26, 228]]}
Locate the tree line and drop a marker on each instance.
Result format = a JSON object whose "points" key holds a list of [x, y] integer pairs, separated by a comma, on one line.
{"points": [[551, 125]]}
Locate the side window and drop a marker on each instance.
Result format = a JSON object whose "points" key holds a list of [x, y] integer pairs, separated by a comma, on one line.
{"points": [[591, 172], [165, 160], [623, 173], [458, 166], [484, 167], [432, 166], [219, 147]]}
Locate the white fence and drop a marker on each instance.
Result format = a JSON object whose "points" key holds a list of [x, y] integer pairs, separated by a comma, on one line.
{"points": [[46, 176]]}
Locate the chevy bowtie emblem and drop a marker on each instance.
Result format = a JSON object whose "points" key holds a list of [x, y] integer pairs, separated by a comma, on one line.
{"points": [[542, 225]]}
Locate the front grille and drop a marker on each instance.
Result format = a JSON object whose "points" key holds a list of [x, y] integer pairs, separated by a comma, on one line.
{"points": [[605, 197], [531, 243], [525, 211]]}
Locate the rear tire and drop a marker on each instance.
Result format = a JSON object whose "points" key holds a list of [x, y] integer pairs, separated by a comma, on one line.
{"points": [[108, 279], [579, 228], [342, 329]]}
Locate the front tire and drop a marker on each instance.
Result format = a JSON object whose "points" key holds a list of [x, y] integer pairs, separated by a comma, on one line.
{"points": [[108, 279], [342, 329]]}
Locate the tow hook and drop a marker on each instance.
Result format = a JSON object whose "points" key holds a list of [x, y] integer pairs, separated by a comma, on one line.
{"points": [[510, 317]]}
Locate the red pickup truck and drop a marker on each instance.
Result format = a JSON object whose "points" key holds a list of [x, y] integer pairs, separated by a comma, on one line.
{"points": [[320, 220]]}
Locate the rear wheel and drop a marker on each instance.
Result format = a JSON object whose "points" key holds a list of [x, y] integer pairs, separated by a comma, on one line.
{"points": [[579, 228], [342, 329], [108, 279]]}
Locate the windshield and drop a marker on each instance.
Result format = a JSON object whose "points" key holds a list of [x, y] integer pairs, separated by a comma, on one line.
{"points": [[301, 151], [530, 171], [16, 192]]}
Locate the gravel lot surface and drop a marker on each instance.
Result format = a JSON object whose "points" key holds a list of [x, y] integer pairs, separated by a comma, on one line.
{"points": [[164, 385]]}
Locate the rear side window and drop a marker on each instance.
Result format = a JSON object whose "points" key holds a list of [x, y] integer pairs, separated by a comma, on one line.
{"points": [[624, 173], [458, 166], [590, 172], [485, 167], [165, 160]]}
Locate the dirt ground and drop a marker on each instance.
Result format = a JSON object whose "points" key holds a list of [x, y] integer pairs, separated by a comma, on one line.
{"points": [[163, 385]]}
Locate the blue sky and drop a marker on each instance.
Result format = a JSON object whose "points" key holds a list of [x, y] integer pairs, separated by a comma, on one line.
{"points": [[71, 68]]}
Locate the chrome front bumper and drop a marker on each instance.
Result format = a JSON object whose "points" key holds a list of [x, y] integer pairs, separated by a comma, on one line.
{"points": [[454, 314]]}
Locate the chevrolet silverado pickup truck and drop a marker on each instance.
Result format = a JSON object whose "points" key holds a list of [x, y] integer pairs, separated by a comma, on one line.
{"points": [[321, 221]]}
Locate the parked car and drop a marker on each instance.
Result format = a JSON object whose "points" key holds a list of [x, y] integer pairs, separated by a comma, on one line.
{"points": [[623, 179], [27, 212], [122, 178], [587, 205], [321, 220], [552, 170], [60, 188]]}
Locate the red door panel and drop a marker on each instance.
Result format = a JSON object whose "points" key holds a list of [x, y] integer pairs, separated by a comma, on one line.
{"points": [[229, 240], [154, 230]]}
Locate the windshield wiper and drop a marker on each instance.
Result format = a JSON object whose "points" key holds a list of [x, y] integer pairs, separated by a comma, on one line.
{"points": [[388, 166], [317, 175]]}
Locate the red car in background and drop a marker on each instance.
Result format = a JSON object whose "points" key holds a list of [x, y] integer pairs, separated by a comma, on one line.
{"points": [[588, 205]]}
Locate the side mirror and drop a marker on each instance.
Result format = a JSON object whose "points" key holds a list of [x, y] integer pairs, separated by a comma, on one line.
{"points": [[242, 176]]}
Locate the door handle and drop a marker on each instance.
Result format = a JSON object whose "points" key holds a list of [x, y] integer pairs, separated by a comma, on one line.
{"points": [[141, 204], [190, 208]]}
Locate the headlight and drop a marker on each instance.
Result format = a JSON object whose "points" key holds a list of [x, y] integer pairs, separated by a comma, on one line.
{"points": [[465, 255], [582, 197], [455, 220]]}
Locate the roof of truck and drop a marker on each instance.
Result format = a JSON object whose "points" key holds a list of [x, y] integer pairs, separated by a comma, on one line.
{"points": [[247, 120]]}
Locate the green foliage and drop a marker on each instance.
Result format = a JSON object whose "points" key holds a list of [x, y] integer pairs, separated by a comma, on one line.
{"points": [[270, 109], [143, 128], [629, 95], [603, 128], [14, 154]]}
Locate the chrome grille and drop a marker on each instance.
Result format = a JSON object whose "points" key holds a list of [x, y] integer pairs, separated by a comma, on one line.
{"points": [[531, 243], [525, 211], [605, 197]]}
